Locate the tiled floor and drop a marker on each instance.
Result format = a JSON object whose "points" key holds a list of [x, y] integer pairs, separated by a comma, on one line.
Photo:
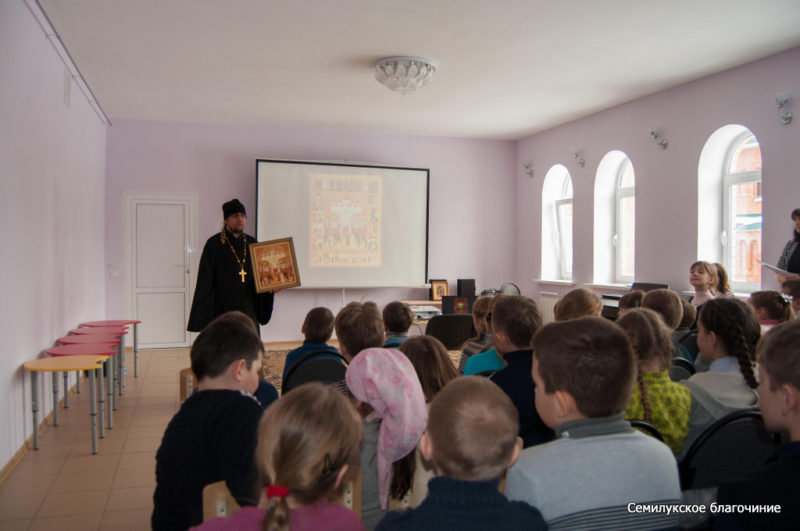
{"points": [[62, 486]]}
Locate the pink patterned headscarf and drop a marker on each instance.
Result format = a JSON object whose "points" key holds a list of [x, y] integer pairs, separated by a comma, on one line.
{"points": [[385, 379]]}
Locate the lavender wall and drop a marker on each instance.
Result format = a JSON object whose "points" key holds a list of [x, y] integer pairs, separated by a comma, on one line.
{"points": [[52, 162], [471, 233], [666, 180]]}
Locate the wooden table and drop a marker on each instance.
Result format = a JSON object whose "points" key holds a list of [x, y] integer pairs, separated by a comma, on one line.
{"points": [[91, 350], [123, 322], [89, 363]]}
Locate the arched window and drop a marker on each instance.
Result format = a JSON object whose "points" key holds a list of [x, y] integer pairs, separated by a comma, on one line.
{"points": [[729, 205], [557, 224], [614, 220]]}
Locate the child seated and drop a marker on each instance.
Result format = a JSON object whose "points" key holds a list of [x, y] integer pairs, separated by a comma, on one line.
{"points": [[488, 361], [584, 371], [358, 327], [306, 442], [471, 441], [723, 287], [397, 319], [432, 363], [515, 318], [771, 308], [656, 399], [667, 304], [629, 301], [435, 370], [579, 302], [213, 435], [703, 278], [317, 329], [391, 401], [266, 393], [791, 287], [483, 341], [779, 402], [727, 333]]}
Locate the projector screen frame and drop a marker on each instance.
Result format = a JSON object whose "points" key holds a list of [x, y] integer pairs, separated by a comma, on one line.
{"points": [[426, 171]]}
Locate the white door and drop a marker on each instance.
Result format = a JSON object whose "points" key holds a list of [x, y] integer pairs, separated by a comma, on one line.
{"points": [[160, 267]]}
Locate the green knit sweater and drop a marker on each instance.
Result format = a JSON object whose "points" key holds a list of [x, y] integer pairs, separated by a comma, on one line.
{"points": [[670, 404]]}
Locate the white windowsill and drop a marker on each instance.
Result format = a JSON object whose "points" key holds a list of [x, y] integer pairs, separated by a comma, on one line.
{"points": [[618, 287], [554, 282], [738, 294]]}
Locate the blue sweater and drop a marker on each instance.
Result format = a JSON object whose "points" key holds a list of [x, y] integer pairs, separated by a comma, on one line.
{"points": [[485, 361], [465, 505]]}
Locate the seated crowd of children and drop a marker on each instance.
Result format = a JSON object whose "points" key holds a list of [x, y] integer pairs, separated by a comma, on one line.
{"points": [[529, 431]]}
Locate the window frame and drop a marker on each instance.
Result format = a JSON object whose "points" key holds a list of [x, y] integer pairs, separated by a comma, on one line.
{"points": [[565, 249], [556, 246], [730, 180], [620, 194]]}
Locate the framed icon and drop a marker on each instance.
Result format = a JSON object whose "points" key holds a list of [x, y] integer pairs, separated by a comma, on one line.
{"points": [[439, 288], [274, 265]]}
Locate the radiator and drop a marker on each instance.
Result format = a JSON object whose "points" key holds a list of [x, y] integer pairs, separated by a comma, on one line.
{"points": [[547, 302]]}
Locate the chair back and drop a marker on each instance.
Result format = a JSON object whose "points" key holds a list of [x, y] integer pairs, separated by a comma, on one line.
{"points": [[351, 493], [647, 428], [313, 368], [218, 502], [451, 329], [681, 369], [683, 362], [734, 445], [187, 382]]}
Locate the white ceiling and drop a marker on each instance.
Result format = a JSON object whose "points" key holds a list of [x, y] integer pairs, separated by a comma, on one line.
{"points": [[506, 68]]}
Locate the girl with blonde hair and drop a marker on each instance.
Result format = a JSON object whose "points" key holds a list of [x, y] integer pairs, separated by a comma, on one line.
{"points": [[656, 399], [306, 442], [703, 278], [483, 341]]}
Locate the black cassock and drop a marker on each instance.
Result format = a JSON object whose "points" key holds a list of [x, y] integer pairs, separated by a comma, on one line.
{"points": [[219, 284]]}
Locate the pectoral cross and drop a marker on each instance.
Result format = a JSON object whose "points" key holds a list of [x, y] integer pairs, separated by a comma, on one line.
{"points": [[242, 274]]}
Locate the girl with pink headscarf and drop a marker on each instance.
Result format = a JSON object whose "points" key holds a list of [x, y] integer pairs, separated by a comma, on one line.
{"points": [[385, 380]]}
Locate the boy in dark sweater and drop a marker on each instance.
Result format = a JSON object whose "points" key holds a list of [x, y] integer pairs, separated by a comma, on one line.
{"points": [[779, 402], [471, 441], [515, 319], [213, 435]]}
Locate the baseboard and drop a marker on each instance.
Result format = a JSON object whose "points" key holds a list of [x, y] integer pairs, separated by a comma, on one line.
{"points": [[16, 459]]}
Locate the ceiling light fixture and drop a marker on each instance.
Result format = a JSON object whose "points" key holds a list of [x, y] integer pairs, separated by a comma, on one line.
{"points": [[404, 74]]}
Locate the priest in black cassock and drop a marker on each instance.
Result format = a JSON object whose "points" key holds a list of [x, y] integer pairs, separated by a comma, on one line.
{"points": [[225, 277]]}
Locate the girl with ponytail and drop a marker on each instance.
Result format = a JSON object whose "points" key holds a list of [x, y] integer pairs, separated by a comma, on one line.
{"points": [[656, 399], [727, 333], [306, 441]]}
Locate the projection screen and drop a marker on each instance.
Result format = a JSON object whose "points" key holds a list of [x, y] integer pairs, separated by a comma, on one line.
{"points": [[353, 225]]}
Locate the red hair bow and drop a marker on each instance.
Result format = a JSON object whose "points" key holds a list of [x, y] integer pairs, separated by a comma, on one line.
{"points": [[275, 491]]}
